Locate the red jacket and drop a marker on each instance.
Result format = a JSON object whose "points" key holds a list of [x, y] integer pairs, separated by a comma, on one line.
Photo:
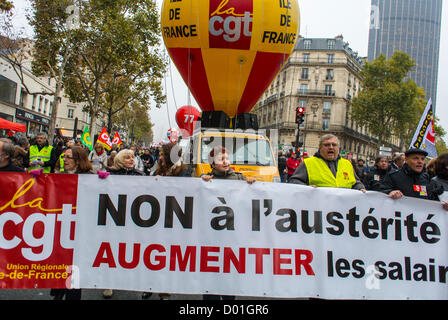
{"points": [[292, 164]]}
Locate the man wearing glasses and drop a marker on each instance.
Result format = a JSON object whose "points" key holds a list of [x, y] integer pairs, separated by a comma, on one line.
{"points": [[327, 168]]}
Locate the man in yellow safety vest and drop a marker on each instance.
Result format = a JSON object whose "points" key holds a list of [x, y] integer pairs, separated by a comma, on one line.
{"points": [[327, 168], [41, 155]]}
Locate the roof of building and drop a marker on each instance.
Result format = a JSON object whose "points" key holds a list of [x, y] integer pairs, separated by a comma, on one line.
{"points": [[328, 44]]}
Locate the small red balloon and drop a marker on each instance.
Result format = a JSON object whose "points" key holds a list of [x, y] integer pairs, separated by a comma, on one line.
{"points": [[186, 118]]}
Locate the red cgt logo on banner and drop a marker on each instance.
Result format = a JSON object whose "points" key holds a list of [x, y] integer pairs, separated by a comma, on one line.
{"points": [[37, 230]]}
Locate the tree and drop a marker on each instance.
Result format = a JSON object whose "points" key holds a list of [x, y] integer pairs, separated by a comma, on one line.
{"points": [[135, 120], [16, 52], [128, 86], [53, 45], [48, 18], [116, 59], [440, 143], [389, 102], [5, 5]]}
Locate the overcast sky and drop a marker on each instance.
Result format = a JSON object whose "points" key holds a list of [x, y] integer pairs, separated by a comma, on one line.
{"points": [[318, 19]]}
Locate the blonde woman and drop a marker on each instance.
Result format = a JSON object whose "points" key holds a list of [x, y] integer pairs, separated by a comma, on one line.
{"points": [[124, 163]]}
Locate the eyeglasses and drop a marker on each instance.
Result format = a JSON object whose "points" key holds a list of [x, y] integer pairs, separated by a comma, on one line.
{"points": [[67, 157]]}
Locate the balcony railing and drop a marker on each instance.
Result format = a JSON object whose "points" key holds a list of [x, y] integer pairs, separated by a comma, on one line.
{"points": [[324, 61], [271, 98], [302, 60], [326, 93]]}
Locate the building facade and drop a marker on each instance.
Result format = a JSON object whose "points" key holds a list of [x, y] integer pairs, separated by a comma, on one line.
{"points": [[321, 75], [411, 26], [34, 110]]}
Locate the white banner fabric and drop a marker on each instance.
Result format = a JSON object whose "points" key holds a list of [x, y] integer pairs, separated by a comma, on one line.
{"points": [[188, 236]]}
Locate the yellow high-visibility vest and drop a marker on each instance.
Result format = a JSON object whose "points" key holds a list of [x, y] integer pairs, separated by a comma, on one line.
{"points": [[43, 155], [61, 162], [320, 175]]}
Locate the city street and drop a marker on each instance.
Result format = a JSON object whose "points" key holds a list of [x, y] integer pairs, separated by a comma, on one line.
{"points": [[97, 294], [87, 294]]}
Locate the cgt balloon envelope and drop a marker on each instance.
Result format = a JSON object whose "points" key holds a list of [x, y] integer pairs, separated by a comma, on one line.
{"points": [[229, 51]]}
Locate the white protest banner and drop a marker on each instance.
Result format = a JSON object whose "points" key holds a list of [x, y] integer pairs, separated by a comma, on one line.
{"points": [[185, 235]]}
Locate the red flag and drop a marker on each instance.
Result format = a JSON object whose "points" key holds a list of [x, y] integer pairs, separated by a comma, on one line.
{"points": [[431, 135], [117, 139], [104, 139]]}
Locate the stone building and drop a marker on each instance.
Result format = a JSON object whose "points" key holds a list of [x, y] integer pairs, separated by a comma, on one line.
{"points": [[34, 110], [321, 75]]}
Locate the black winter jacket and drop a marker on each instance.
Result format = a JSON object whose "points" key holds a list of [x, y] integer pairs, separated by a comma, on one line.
{"points": [[374, 179], [411, 184], [11, 168], [126, 172]]}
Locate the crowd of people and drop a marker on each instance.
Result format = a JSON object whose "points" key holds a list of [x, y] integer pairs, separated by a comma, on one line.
{"points": [[26, 155], [406, 174]]}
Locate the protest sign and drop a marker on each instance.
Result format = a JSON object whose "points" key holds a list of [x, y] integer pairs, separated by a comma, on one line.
{"points": [[188, 236]]}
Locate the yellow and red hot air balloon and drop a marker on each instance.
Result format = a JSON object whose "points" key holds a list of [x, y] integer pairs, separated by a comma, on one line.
{"points": [[229, 51]]}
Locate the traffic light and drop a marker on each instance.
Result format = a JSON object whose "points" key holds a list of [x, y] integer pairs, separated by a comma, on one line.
{"points": [[300, 115]]}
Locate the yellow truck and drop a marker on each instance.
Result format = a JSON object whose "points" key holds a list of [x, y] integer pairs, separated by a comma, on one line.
{"points": [[251, 153]]}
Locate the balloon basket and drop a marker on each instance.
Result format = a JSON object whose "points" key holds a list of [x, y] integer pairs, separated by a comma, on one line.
{"points": [[220, 120]]}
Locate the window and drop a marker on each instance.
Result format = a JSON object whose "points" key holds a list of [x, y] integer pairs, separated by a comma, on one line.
{"points": [[328, 89], [302, 103], [303, 88], [23, 97], [327, 107], [330, 58], [45, 105], [8, 90], [33, 106], [242, 151], [330, 74], [331, 44], [307, 44], [70, 113], [325, 123], [305, 72], [306, 58], [40, 104]]}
